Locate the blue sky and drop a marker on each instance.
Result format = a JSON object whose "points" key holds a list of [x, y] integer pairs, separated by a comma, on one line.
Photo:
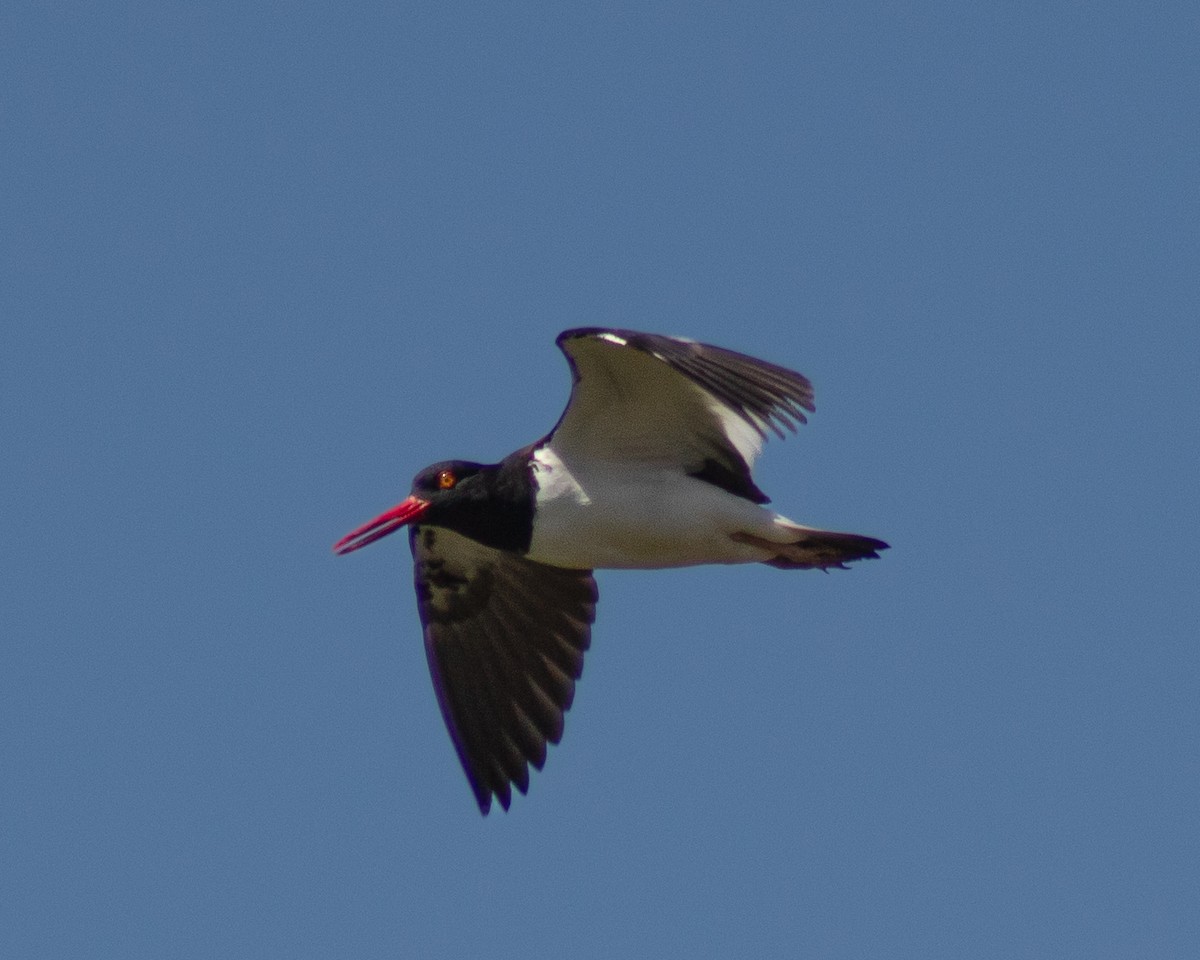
{"points": [[261, 263]]}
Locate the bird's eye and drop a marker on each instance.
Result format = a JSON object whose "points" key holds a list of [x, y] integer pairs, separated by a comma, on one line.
{"points": [[446, 480]]}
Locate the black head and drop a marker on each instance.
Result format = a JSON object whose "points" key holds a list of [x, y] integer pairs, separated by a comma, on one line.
{"points": [[490, 503]]}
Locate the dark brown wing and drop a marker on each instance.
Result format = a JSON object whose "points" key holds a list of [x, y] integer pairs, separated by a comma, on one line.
{"points": [[646, 398], [505, 639]]}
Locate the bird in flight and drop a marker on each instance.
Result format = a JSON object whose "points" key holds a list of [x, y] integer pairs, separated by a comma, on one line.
{"points": [[648, 467]]}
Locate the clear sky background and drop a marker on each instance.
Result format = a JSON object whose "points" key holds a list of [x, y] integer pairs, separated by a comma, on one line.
{"points": [[262, 262]]}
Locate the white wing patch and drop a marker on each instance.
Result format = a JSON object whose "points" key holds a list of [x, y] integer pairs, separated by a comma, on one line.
{"points": [[744, 438], [612, 338]]}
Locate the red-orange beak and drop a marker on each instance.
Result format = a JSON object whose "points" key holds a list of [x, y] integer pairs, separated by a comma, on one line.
{"points": [[387, 522]]}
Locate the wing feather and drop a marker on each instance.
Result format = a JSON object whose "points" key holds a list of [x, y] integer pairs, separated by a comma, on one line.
{"points": [[505, 639], [646, 398]]}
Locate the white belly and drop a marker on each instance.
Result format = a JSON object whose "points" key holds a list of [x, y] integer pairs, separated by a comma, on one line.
{"points": [[610, 516]]}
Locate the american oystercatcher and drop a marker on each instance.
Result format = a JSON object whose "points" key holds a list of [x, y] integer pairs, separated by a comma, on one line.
{"points": [[648, 466]]}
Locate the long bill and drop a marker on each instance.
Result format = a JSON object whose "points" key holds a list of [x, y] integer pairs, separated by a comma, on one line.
{"points": [[387, 522]]}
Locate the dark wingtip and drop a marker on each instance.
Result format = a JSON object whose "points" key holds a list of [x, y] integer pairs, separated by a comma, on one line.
{"points": [[483, 797]]}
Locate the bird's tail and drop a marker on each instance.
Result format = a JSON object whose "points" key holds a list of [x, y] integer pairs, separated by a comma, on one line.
{"points": [[817, 549]]}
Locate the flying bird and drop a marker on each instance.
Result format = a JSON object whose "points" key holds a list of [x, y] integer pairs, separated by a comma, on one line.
{"points": [[649, 466]]}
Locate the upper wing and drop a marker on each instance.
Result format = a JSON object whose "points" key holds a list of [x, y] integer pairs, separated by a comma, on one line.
{"points": [[505, 639], [642, 397]]}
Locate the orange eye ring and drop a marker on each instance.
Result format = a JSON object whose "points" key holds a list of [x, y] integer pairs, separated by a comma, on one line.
{"points": [[446, 480]]}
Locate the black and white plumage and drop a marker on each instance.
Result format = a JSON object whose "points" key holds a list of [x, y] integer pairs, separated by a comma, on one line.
{"points": [[649, 466]]}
